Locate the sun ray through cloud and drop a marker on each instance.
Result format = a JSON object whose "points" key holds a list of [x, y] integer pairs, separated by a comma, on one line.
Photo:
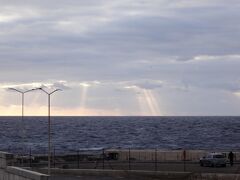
{"points": [[83, 97], [151, 102], [147, 101]]}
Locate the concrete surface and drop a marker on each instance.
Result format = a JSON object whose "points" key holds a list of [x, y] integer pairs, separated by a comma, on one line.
{"points": [[163, 166], [16, 173]]}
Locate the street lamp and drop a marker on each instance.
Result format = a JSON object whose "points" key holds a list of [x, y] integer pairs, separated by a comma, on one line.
{"points": [[22, 93], [49, 127]]}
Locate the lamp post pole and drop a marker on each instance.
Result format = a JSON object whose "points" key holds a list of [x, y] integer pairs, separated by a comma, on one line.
{"points": [[49, 126], [22, 94]]}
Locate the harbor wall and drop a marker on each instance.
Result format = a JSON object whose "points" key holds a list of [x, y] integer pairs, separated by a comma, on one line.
{"points": [[8, 172]]}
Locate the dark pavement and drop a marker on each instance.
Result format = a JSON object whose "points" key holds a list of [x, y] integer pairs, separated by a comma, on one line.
{"points": [[177, 167]]}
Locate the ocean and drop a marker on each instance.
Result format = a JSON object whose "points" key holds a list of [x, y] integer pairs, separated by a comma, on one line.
{"points": [[70, 134]]}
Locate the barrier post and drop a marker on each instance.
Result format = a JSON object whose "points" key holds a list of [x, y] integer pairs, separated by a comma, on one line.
{"points": [[129, 159], [103, 163], [30, 157], [54, 164], [78, 160], [184, 160], [156, 161]]}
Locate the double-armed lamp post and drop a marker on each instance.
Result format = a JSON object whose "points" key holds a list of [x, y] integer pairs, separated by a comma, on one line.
{"points": [[49, 126], [22, 93], [49, 119]]}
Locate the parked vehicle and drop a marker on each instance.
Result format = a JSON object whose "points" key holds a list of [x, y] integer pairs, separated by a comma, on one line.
{"points": [[214, 159]]}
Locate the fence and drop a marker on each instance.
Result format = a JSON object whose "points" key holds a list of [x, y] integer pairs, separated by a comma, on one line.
{"points": [[124, 159]]}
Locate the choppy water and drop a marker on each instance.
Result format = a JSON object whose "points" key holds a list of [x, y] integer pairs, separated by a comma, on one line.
{"points": [[73, 133]]}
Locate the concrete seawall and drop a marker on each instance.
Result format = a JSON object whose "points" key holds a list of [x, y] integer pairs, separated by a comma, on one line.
{"points": [[8, 172]]}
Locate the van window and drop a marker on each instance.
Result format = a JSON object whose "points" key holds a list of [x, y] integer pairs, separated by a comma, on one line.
{"points": [[218, 156]]}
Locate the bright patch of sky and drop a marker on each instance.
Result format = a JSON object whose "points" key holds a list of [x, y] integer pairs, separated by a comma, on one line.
{"points": [[128, 57]]}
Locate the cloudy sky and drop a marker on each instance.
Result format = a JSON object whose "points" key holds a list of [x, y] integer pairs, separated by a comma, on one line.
{"points": [[121, 57]]}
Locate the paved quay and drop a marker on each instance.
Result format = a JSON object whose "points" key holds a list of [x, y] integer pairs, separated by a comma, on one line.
{"points": [[171, 168], [89, 178], [163, 166]]}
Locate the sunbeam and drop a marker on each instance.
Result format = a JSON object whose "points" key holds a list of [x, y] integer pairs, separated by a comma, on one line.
{"points": [[147, 102], [150, 99], [83, 97]]}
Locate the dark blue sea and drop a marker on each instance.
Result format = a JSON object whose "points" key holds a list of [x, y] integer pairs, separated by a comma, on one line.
{"points": [[70, 134]]}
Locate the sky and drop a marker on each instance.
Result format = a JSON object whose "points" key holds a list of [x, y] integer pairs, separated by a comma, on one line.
{"points": [[121, 57]]}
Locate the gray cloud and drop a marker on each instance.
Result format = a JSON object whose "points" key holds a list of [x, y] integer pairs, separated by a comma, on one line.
{"points": [[143, 84], [188, 45]]}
